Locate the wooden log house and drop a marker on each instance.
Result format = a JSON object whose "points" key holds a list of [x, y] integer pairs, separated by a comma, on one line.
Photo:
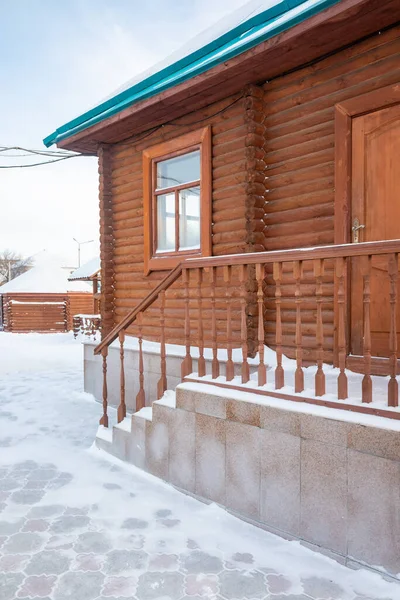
{"points": [[249, 198], [88, 323], [42, 300]]}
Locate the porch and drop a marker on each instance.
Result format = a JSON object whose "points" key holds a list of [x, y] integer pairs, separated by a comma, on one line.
{"points": [[286, 443], [303, 300]]}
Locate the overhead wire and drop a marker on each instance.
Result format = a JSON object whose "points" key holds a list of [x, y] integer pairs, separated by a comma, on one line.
{"points": [[47, 162], [56, 155], [64, 155], [135, 140]]}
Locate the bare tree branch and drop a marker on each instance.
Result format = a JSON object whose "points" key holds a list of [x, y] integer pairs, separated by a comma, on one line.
{"points": [[12, 264]]}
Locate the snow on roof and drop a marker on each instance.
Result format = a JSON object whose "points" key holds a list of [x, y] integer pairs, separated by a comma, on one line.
{"points": [[86, 271], [246, 27], [46, 277], [221, 27]]}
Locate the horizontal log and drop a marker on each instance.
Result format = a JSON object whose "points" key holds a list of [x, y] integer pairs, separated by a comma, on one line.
{"points": [[291, 166], [300, 150], [338, 88], [340, 95], [281, 180], [132, 213], [293, 228], [228, 158], [305, 121], [347, 55], [274, 143], [311, 199], [302, 188], [225, 149], [302, 213]]}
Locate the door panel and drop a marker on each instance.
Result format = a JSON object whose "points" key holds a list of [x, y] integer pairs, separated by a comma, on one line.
{"points": [[376, 205]]}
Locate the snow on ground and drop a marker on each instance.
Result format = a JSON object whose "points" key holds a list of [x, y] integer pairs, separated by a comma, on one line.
{"points": [[75, 525]]}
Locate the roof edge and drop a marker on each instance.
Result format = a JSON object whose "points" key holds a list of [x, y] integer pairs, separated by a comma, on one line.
{"points": [[253, 31]]}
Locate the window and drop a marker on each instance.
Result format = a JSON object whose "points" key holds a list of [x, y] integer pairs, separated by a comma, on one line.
{"points": [[177, 208]]}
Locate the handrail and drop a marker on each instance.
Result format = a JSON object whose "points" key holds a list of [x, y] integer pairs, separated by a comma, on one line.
{"points": [[314, 253], [317, 252], [145, 303]]}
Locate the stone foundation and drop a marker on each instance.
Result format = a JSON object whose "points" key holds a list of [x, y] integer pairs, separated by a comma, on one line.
{"points": [[327, 477]]}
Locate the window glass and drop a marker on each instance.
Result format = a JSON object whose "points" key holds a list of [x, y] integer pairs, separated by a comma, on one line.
{"points": [[165, 223], [189, 219], [181, 169]]}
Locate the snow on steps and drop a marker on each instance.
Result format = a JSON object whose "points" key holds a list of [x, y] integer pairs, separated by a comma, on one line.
{"points": [[127, 440]]}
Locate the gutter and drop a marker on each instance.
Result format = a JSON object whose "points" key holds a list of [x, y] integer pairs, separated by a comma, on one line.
{"points": [[276, 19]]}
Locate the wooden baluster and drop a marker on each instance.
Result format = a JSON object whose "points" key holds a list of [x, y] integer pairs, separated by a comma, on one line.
{"points": [[215, 363], [366, 385], [243, 323], [279, 372], [262, 372], [121, 412], [299, 373], [230, 367], [393, 391], [104, 418], [140, 396], [201, 369], [162, 382], [187, 366], [320, 375], [342, 385]]}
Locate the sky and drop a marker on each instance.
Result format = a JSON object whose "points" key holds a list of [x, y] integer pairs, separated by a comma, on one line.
{"points": [[57, 60]]}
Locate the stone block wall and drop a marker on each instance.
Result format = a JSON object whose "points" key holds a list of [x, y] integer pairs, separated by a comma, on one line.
{"points": [[326, 477]]}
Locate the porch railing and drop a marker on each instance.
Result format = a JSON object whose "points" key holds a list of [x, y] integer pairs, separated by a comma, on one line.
{"points": [[300, 301]]}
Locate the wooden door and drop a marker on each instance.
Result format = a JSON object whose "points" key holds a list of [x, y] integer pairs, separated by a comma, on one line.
{"points": [[376, 208]]}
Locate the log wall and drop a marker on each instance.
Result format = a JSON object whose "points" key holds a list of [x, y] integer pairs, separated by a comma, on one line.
{"points": [[272, 188], [237, 213], [299, 154], [79, 304], [43, 313]]}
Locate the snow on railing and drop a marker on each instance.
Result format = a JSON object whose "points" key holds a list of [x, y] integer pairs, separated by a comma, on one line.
{"points": [[319, 305]]}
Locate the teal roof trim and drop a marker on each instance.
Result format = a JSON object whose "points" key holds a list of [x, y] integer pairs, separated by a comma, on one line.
{"points": [[252, 32]]}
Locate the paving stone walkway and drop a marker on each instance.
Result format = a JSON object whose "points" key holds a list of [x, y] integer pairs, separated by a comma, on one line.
{"points": [[74, 525]]}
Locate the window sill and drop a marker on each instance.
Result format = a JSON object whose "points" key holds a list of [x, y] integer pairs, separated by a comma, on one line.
{"points": [[166, 263]]}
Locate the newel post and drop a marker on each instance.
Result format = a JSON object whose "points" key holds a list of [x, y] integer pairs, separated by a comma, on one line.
{"points": [[104, 418]]}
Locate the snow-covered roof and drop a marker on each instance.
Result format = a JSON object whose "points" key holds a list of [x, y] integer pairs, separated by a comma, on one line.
{"points": [[212, 33], [87, 271], [46, 277], [245, 28]]}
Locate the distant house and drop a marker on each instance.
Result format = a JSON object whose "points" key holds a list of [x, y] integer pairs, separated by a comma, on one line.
{"points": [[88, 323], [90, 271], [43, 300]]}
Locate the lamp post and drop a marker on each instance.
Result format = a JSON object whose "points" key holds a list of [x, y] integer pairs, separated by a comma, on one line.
{"points": [[79, 248]]}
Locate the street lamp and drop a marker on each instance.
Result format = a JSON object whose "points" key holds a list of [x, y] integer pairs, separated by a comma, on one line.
{"points": [[79, 248]]}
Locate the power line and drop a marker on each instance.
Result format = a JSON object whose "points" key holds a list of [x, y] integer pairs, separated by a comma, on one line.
{"points": [[56, 155], [32, 151], [47, 162], [131, 139], [64, 155]]}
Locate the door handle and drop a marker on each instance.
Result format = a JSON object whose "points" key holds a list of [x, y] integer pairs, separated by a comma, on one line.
{"points": [[355, 229]]}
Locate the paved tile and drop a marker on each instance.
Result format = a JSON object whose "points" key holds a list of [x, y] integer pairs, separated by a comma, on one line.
{"points": [[77, 527], [243, 585], [201, 562]]}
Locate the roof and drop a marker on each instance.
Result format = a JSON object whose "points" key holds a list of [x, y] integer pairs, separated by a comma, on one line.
{"points": [[47, 277], [254, 23], [87, 271]]}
